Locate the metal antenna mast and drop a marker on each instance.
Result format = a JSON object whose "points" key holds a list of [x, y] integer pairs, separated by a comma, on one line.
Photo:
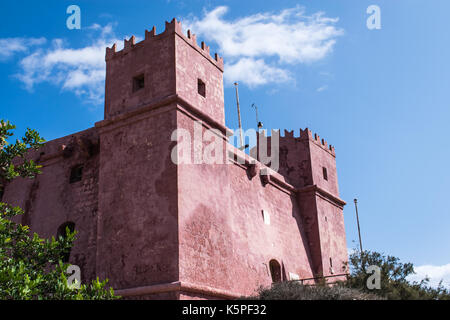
{"points": [[357, 221], [239, 116], [258, 123]]}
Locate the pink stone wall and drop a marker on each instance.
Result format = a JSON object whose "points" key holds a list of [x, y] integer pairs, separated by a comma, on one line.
{"points": [[321, 158], [172, 63], [50, 200], [295, 161], [302, 159], [332, 237], [137, 229], [191, 66], [223, 236], [155, 59], [329, 212]]}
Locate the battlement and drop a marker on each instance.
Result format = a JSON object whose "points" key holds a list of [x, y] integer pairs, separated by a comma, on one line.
{"points": [[173, 27], [304, 135]]}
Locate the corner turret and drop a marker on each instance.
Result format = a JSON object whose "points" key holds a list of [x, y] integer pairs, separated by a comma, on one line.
{"points": [[160, 66]]}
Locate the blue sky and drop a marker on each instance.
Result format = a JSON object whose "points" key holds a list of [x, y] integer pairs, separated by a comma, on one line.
{"points": [[381, 97]]}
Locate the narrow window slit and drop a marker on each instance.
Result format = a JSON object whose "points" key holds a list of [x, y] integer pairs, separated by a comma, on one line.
{"points": [[325, 173], [138, 82], [76, 174], [201, 88]]}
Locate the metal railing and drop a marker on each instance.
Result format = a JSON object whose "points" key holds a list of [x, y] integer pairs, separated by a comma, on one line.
{"points": [[322, 277]]}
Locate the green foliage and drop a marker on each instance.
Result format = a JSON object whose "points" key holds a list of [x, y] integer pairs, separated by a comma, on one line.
{"points": [[292, 290], [393, 276], [394, 283], [31, 267], [13, 162]]}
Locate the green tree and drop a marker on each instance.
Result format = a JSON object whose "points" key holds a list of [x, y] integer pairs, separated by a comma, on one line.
{"points": [[393, 277], [31, 267]]}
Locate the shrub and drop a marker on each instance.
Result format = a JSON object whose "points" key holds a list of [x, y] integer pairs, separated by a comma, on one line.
{"points": [[293, 290]]}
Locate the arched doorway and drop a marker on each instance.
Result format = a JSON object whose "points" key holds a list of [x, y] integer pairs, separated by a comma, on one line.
{"points": [[275, 270]]}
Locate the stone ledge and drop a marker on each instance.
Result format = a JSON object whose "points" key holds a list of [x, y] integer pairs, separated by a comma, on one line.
{"points": [[182, 105], [324, 194], [174, 287]]}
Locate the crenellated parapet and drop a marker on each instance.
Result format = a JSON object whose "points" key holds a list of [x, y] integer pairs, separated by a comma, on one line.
{"points": [[173, 27], [305, 134]]}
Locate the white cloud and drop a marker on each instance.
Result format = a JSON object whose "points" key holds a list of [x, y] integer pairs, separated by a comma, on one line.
{"points": [[322, 88], [255, 72], [269, 42], [434, 273], [11, 46], [258, 49], [80, 70]]}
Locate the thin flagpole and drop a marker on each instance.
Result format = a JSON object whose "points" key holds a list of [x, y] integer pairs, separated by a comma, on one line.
{"points": [[359, 229], [239, 115]]}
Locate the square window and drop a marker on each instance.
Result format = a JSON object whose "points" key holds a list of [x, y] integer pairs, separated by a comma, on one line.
{"points": [[331, 266], [138, 82], [325, 173], [201, 88], [76, 174]]}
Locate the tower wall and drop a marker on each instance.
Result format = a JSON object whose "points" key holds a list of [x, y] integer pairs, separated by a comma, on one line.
{"points": [[50, 199], [137, 241], [138, 210], [333, 245], [224, 240], [170, 63], [309, 163], [152, 58], [194, 63]]}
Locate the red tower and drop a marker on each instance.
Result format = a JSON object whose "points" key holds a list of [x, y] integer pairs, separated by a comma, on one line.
{"points": [[150, 85], [157, 229], [309, 164]]}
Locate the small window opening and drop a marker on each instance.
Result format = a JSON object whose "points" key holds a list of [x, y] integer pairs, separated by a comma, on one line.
{"points": [[138, 82], [331, 266], [266, 217], [201, 88], [76, 174], [325, 173], [275, 270], [1, 193], [62, 233]]}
